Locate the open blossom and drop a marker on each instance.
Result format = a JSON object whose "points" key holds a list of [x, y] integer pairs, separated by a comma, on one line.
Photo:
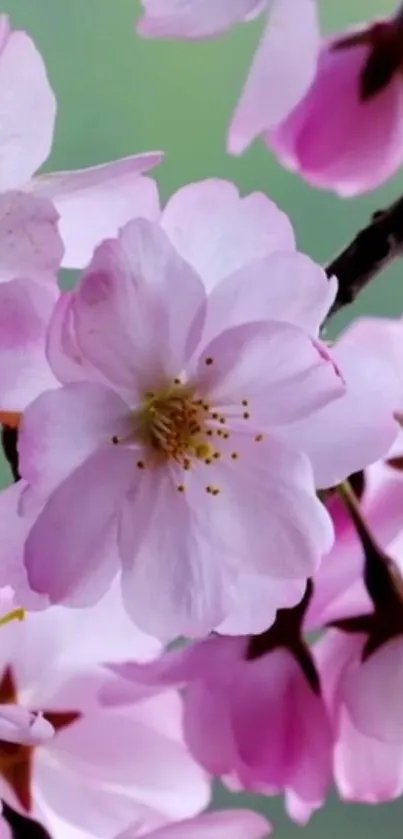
{"points": [[284, 64], [102, 769], [92, 203], [253, 718], [339, 587], [168, 438], [346, 134], [156, 366]]}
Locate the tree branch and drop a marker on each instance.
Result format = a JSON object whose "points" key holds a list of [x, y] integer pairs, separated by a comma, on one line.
{"points": [[373, 249]]}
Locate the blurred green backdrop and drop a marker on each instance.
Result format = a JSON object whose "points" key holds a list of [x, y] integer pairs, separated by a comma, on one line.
{"points": [[117, 95]]}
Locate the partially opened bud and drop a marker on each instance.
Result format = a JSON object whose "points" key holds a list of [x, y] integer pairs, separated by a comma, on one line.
{"points": [[346, 134]]}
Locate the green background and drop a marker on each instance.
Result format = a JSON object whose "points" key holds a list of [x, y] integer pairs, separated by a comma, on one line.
{"points": [[117, 95]]}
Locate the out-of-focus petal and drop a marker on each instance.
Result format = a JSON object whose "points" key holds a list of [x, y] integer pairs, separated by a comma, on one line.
{"points": [[373, 693], [25, 310], [282, 71], [94, 203], [195, 19], [27, 109]]}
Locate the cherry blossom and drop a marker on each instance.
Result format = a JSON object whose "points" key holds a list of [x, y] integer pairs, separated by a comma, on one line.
{"points": [[346, 133], [102, 768], [168, 411], [284, 64], [254, 715]]}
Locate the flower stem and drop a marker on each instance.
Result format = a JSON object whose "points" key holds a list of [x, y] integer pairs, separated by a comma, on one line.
{"points": [[372, 250]]}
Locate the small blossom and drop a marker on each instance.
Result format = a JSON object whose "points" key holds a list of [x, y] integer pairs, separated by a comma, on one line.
{"points": [[253, 714], [346, 133], [102, 768]]}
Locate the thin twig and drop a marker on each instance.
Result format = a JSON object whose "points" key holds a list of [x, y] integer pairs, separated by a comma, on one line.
{"points": [[373, 249]]}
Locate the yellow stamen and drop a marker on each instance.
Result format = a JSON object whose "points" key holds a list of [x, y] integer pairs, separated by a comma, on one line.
{"points": [[15, 615]]}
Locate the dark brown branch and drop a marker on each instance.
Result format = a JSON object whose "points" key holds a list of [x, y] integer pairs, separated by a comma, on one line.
{"points": [[373, 249], [9, 442]]}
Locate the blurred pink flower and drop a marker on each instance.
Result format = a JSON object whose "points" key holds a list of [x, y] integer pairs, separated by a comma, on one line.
{"points": [[346, 134], [168, 438], [255, 720], [284, 64], [339, 588], [364, 701], [104, 768], [92, 203], [227, 824]]}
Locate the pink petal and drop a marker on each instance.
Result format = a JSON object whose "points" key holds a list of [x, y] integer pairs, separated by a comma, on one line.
{"points": [[25, 309], [27, 110], [211, 659], [136, 307], [31, 247], [65, 356], [81, 805], [113, 640], [336, 446], [284, 286], [63, 427], [366, 770], [197, 19], [373, 694], [332, 138], [5, 830], [255, 601], [289, 744], [280, 371], [227, 824], [173, 579], [13, 531], [282, 71], [137, 751], [79, 567], [218, 232], [95, 203], [208, 727], [18, 725], [266, 518]]}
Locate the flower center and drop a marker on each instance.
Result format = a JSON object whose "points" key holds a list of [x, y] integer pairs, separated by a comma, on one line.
{"points": [[172, 423], [175, 424]]}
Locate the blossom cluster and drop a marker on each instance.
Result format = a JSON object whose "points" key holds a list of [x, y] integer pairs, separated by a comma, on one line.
{"points": [[191, 459]]}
